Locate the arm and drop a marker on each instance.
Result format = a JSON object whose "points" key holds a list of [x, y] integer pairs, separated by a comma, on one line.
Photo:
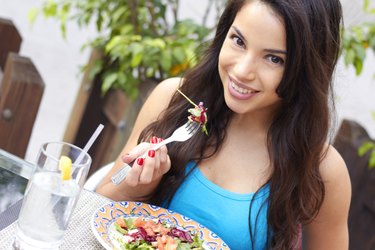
{"points": [[329, 230], [142, 179]]}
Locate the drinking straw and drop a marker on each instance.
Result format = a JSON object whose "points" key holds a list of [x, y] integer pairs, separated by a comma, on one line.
{"points": [[89, 143]]}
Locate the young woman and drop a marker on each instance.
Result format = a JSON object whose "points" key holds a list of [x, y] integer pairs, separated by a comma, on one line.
{"points": [[265, 172]]}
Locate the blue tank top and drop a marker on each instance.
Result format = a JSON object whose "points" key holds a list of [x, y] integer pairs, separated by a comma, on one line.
{"points": [[223, 212]]}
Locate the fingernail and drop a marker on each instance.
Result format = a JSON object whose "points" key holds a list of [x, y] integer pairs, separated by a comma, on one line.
{"points": [[140, 161], [154, 140], [151, 153], [160, 140]]}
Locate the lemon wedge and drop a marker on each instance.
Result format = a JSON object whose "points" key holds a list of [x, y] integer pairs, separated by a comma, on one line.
{"points": [[65, 166]]}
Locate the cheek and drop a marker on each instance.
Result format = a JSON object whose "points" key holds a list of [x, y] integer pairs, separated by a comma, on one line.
{"points": [[273, 79], [225, 54], [222, 63]]}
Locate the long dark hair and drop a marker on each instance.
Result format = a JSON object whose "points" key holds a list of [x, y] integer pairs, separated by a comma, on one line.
{"points": [[298, 133]]}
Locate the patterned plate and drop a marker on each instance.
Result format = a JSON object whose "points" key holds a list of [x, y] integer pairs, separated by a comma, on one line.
{"points": [[106, 215]]}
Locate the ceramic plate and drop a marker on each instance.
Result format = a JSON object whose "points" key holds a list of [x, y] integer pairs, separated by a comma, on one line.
{"points": [[106, 215]]}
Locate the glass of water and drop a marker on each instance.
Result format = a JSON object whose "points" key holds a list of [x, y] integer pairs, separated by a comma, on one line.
{"points": [[51, 195]]}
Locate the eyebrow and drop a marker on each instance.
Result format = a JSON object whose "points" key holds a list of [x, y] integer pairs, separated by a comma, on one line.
{"points": [[276, 51]]}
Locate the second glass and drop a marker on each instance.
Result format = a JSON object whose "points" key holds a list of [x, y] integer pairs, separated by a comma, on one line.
{"points": [[49, 198]]}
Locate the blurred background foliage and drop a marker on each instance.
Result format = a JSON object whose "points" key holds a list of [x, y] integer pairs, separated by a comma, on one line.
{"points": [[358, 39], [139, 39]]}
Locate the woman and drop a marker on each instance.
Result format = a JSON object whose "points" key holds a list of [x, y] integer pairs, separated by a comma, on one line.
{"points": [[265, 170]]}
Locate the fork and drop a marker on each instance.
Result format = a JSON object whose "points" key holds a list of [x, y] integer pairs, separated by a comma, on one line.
{"points": [[181, 134]]}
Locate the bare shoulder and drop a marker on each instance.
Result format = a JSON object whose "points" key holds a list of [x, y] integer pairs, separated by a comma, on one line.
{"points": [[329, 229], [160, 97], [157, 101], [333, 167], [336, 179]]}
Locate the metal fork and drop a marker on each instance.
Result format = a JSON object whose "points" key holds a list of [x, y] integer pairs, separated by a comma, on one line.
{"points": [[181, 134]]}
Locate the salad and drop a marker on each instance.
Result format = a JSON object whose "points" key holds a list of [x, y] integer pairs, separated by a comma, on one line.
{"points": [[146, 233], [197, 114]]}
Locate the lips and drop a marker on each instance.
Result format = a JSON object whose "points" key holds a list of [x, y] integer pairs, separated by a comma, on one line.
{"points": [[240, 91]]}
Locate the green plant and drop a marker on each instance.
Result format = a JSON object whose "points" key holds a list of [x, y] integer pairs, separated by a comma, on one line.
{"points": [[357, 39], [366, 147], [139, 39]]}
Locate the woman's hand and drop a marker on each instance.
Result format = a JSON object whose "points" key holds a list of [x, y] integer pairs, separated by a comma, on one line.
{"points": [[150, 168], [135, 187]]}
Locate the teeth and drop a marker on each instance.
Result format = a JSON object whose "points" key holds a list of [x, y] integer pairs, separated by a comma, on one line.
{"points": [[241, 90]]}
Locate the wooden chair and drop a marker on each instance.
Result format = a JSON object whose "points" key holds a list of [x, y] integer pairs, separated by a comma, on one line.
{"points": [[350, 137], [21, 91]]}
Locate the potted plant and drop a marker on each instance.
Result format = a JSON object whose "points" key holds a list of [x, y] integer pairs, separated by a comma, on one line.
{"points": [[138, 42], [139, 39]]}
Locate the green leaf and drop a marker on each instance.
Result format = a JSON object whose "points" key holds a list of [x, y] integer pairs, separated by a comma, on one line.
{"points": [[99, 22], [365, 147], [136, 59], [120, 229], [372, 159], [32, 15], [358, 64], [366, 4], [116, 40], [166, 60], [109, 80], [179, 54], [372, 41], [349, 57], [116, 16], [150, 72], [50, 9], [63, 29], [96, 69], [360, 51], [156, 42]]}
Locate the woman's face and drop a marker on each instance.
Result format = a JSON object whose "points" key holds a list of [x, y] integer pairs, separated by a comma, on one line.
{"points": [[252, 59]]}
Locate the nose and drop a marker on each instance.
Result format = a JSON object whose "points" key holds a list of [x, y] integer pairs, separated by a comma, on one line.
{"points": [[245, 67]]}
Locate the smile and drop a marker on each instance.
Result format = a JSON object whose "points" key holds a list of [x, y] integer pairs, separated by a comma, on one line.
{"points": [[241, 90]]}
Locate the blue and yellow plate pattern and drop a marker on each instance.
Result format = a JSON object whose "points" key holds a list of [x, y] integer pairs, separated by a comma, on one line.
{"points": [[106, 215]]}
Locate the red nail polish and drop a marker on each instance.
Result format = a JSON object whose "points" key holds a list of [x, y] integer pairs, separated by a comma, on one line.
{"points": [[160, 140], [151, 153], [140, 161], [154, 140]]}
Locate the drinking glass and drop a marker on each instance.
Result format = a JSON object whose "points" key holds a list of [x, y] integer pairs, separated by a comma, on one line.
{"points": [[49, 199]]}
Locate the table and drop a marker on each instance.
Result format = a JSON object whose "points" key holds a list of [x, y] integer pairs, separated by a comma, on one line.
{"points": [[14, 174], [78, 235]]}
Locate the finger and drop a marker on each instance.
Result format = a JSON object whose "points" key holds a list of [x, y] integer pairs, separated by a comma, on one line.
{"points": [[132, 179], [148, 168], [135, 152], [127, 158], [165, 167], [155, 140], [163, 153]]}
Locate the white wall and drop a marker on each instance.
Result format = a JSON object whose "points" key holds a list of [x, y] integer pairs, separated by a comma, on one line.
{"points": [[58, 62]]}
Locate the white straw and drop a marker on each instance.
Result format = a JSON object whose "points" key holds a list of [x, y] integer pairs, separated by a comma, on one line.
{"points": [[89, 143]]}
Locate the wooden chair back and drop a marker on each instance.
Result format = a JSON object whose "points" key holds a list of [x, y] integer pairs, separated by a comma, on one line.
{"points": [[21, 91]]}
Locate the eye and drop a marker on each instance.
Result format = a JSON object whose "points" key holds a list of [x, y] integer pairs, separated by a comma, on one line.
{"points": [[237, 41], [275, 59]]}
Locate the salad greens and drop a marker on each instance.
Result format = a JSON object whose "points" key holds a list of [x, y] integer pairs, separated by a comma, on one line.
{"points": [[148, 234]]}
